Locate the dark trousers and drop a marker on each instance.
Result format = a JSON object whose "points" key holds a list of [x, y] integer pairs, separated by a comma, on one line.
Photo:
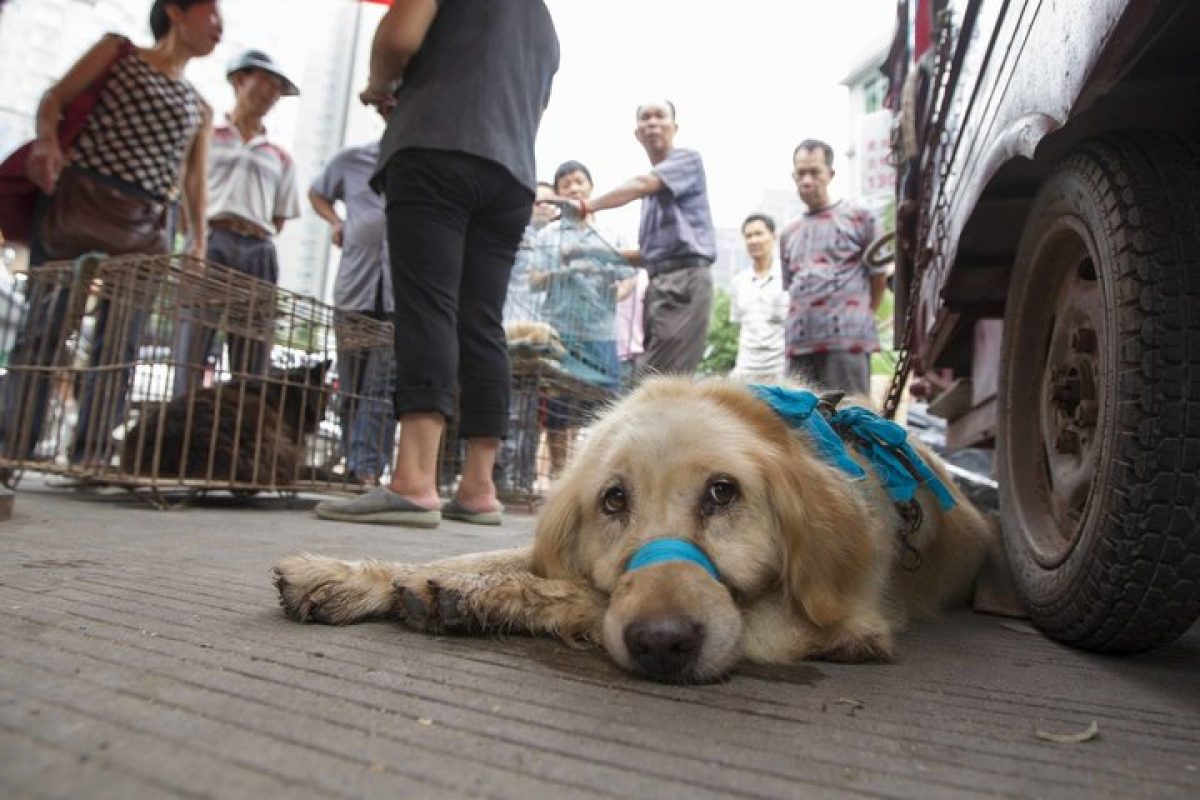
{"points": [[26, 398], [454, 223], [677, 307], [25, 395], [194, 342], [836, 369], [367, 378]]}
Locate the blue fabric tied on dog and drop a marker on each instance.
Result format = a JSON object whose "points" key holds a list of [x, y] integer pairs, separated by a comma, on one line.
{"points": [[881, 441], [659, 551]]}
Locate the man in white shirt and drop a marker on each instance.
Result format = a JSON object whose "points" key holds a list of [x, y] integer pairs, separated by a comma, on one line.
{"points": [[760, 306], [251, 194]]}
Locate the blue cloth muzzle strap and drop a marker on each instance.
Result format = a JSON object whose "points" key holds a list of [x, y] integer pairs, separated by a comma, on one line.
{"points": [[659, 551]]}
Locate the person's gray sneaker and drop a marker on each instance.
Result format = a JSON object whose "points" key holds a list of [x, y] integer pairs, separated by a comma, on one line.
{"points": [[381, 506]]}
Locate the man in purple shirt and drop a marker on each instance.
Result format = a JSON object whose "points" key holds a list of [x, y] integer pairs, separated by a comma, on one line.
{"points": [[834, 294], [676, 242]]}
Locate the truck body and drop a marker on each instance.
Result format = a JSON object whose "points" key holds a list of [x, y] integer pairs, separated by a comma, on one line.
{"points": [[1048, 288]]}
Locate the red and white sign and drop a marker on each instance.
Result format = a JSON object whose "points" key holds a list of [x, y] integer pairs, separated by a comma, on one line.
{"points": [[876, 175]]}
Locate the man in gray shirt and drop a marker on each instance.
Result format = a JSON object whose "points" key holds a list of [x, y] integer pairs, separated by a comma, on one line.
{"points": [[676, 240], [366, 377]]}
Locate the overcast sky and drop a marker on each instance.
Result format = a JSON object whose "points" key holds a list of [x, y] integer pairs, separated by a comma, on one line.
{"points": [[749, 79]]}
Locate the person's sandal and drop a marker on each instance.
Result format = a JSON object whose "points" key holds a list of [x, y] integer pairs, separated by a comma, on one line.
{"points": [[452, 509], [380, 506]]}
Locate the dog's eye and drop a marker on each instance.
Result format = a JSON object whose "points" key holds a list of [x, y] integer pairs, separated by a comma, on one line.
{"points": [[720, 494], [614, 501]]}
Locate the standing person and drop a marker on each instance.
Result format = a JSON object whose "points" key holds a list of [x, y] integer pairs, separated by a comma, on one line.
{"points": [[464, 84], [676, 241], [364, 286], [831, 323], [631, 326], [760, 306], [251, 194], [145, 144], [581, 269]]}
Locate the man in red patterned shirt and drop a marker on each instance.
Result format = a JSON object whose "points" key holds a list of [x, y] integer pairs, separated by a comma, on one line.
{"points": [[833, 295]]}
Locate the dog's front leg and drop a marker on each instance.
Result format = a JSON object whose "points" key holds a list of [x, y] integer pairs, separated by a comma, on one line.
{"points": [[508, 602], [320, 589]]}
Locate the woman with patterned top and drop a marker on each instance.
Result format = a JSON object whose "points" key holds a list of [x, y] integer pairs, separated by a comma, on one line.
{"points": [[145, 140], [146, 130]]}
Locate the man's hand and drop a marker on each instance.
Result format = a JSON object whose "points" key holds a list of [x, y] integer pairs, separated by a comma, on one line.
{"points": [[336, 234], [383, 100], [571, 209], [197, 248], [45, 164]]}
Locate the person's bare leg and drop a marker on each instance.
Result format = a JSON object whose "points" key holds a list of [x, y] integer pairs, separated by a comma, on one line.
{"points": [[477, 490], [415, 476]]}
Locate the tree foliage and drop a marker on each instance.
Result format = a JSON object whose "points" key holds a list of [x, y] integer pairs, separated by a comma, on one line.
{"points": [[720, 352]]}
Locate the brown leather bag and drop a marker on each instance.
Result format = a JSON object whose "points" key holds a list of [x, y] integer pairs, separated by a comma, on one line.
{"points": [[86, 214]]}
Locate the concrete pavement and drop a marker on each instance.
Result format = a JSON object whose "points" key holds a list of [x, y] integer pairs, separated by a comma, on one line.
{"points": [[143, 654]]}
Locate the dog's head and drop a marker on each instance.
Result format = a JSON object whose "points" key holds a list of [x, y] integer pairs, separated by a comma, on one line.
{"points": [[711, 465], [300, 394]]}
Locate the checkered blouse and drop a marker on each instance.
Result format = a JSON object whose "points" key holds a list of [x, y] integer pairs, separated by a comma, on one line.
{"points": [[141, 127]]}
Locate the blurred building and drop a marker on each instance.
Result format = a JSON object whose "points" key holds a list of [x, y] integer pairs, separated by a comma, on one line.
{"points": [[868, 175]]}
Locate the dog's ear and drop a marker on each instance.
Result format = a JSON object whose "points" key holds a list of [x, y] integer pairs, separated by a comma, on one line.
{"points": [[556, 532], [828, 555]]}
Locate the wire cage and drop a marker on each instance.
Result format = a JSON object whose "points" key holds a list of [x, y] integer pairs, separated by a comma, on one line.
{"points": [[172, 373], [563, 325]]}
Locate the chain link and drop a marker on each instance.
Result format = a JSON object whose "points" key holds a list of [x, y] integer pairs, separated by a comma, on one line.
{"points": [[923, 257]]}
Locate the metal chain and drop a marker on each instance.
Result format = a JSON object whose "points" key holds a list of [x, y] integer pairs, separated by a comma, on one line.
{"points": [[923, 256]]}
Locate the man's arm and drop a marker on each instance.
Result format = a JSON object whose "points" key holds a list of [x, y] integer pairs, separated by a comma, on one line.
{"points": [[399, 36], [326, 211], [627, 192], [287, 203], [46, 159], [878, 288], [785, 267]]}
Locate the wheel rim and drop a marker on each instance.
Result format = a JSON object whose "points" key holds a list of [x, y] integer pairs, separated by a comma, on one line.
{"points": [[1056, 400]]}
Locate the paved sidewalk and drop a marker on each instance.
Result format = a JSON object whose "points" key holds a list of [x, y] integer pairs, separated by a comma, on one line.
{"points": [[143, 654]]}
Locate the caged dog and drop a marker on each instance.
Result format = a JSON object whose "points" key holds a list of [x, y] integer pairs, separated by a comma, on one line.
{"points": [[243, 430], [700, 523]]}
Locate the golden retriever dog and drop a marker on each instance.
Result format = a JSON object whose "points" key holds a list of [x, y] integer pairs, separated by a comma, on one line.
{"points": [[759, 548]]}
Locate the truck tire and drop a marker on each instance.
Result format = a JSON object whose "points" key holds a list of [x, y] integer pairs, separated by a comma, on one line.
{"points": [[1098, 436]]}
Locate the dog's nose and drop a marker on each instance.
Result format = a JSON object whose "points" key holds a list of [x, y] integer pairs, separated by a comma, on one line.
{"points": [[664, 647]]}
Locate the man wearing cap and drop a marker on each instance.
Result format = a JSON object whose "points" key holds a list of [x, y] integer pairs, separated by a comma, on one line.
{"points": [[251, 193]]}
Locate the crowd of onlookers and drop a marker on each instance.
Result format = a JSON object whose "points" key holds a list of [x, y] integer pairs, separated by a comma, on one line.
{"points": [[445, 231]]}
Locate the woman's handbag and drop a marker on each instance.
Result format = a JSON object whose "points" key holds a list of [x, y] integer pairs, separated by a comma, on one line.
{"points": [[89, 213], [18, 194]]}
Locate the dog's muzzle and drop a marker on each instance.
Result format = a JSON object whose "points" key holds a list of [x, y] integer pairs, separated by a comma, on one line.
{"points": [[658, 551]]}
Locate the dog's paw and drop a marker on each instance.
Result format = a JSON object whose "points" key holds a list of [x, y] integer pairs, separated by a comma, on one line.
{"points": [[326, 590], [431, 606], [303, 586]]}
